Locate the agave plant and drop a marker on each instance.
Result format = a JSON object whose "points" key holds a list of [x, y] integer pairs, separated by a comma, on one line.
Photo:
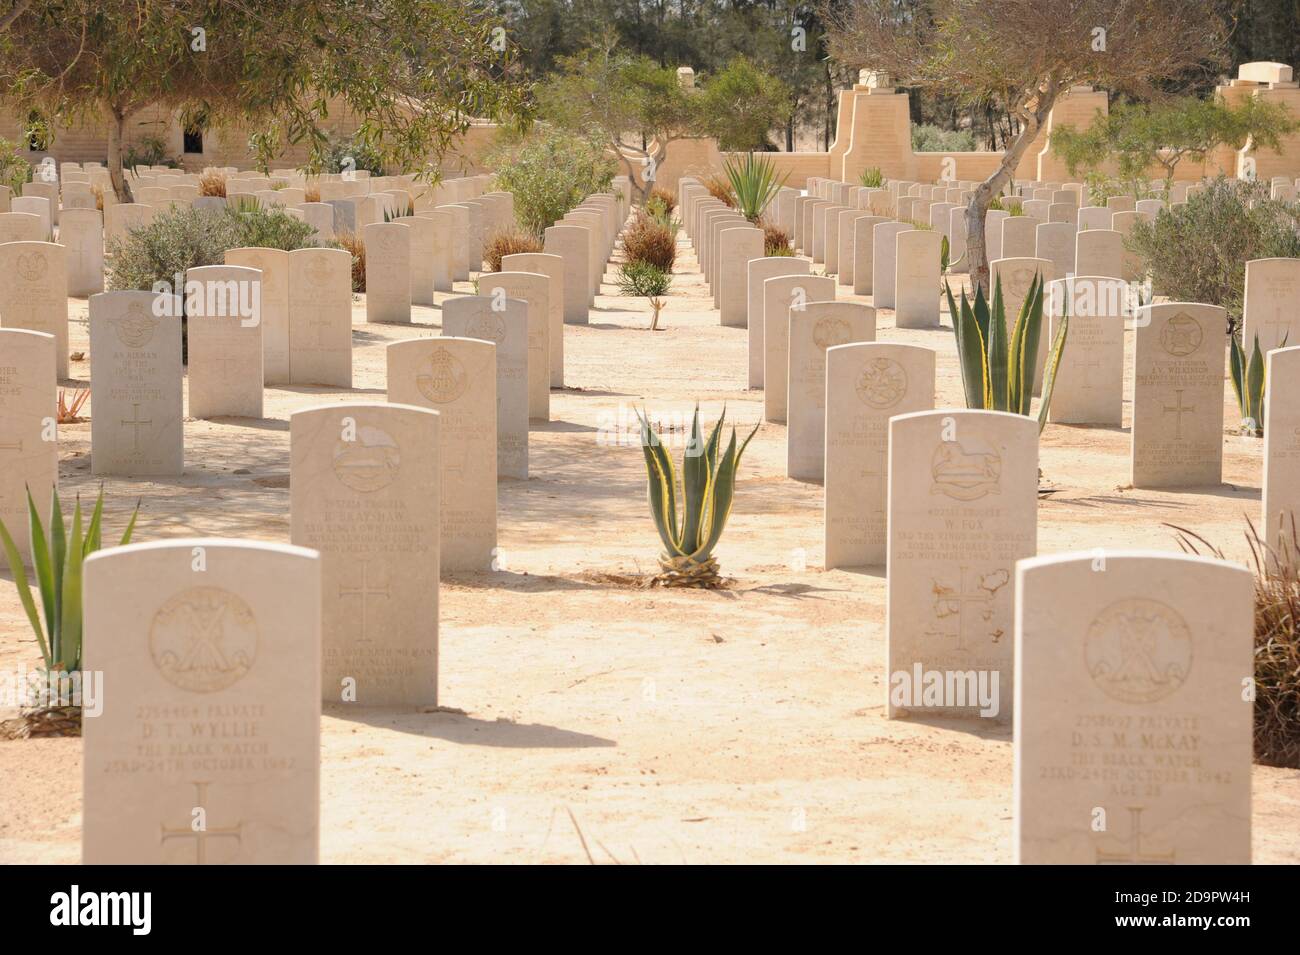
{"points": [[754, 183], [690, 516], [872, 178], [997, 369], [57, 559], [1248, 382]]}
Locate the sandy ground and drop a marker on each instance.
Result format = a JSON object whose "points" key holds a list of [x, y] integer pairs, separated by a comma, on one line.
{"points": [[605, 721]]}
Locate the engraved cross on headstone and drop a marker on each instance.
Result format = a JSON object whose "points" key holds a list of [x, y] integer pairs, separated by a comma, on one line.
{"points": [[135, 424], [962, 597], [1133, 855], [364, 592], [1178, 409], [200, 836]]}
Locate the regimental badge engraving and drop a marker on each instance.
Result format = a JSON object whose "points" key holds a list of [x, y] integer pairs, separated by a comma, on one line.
{"points": [[32, 266], [828, 332], [882, 384], [1138, 650], [444, 378], [488, 326], [965, 470], [134, 329], [368, 463], [1181, 335], [204, 639]]}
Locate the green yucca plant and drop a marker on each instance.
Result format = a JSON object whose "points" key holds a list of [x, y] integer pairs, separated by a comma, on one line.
{"points": [[57, 558], [872, 178], [690, 516], [997, 369], [754, 183], [1249, 384]]}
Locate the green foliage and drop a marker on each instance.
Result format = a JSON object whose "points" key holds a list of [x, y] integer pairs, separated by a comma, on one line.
{"points": [[872, 178], [998, 370], [927, 138], [1248, 381], [626, 100], [14, 169], [1137, 137], [643, 279], [184, 238], [754, 183], [1197, 251], [690, 515], [175, 240], [741, 105], [57, 558], [550, 171], [148, 151], [270, 228], [412, 74], [348, 153]]}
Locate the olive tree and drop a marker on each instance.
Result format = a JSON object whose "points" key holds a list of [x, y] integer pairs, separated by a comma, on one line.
{"points": [[1021, 56]]}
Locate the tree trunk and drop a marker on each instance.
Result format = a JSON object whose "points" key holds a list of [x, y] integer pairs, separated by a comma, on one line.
{"points": [[116, 137], [977, 210]]}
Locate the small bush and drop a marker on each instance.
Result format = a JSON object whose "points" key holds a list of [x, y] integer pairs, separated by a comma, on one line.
{"points": [[212, 184], [872, 178], [271, 228], [311, 192], [719, 188], [663, 200], [340, 151], [14, 169], [549, 172], [776, 241], [351, 242], [643, 279], [649, 241], [176, 240], [1197, 252], [927, 138], [185, 238], [508, 243], [1277, 640], [148, 151]]}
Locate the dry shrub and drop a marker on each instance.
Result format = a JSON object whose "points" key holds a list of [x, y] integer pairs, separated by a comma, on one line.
{"points": [[311, 192], [719, 188], [649, 241], [351, 242], [98, 193], [776, 241], [70, 407], [509, 243], [664, 197], [212, 184], [1277, 641]]}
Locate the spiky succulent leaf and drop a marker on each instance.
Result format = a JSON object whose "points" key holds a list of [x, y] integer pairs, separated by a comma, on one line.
{"points": [[1049, 372], [24, 592], [662, 484], [69, 657]]}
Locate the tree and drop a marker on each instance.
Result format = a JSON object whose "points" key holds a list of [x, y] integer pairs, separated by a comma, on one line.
{"points": [[1022, 55], [639, 108], [1138, 137], [415, 72], [741, 105]]}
